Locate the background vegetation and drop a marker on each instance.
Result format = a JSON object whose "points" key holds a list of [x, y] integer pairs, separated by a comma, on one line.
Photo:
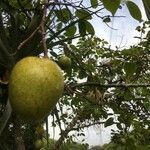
{"points": [[116, 80]]}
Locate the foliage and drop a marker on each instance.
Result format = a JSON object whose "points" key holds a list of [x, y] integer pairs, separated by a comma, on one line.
{"points": [[99, 80]]}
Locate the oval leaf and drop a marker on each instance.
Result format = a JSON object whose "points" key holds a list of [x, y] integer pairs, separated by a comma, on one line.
{"points": [[71, 31], [146, 4], [94, 3], [109, 122], [111, 5], [129, 68], [119, 126], [82, 27], [134, 10], [63, 15], [83, 14], [89, 28]]}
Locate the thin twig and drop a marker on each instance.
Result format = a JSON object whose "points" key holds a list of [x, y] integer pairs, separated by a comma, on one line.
{"points": [[109, 85], [26, 40], [65, 132], [43, 33]]}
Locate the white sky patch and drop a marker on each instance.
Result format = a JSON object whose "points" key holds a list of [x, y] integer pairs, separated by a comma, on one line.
{"points": [[123, 32]]}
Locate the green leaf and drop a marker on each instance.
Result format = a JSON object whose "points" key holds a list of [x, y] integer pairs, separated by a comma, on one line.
{"points": [[71, 31], [134, 10], [146, 4], [147, 104], [83, 14], [24, 3], [130, 68], [119, 126], [89, 28], [53, 54], [109, 122], [111, 5], [63, 15], [107, 20], [82, 27], [94, 3]]}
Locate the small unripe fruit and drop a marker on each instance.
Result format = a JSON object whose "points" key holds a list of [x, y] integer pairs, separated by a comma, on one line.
{"points": [[42, 148], [64, 62], [35, 86], [38, 144]]}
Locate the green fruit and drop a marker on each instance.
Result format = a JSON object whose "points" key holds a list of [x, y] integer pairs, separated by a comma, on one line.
{"points": [[38, 144], [64, 62], [43, 148], [35, 86], [44, 142]]}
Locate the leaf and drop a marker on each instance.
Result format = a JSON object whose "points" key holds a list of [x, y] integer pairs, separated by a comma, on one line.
{"points": [[63, 14], [107, 20], [71, 31], [82, 27], [89, 28], [83, 14], [146, 4], [53, 54], [119, 126], [134, 10], [111, 5], [109, 122], [130, 68], [94, 3]]}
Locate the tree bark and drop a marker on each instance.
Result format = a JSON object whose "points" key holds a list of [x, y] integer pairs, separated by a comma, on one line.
{"points": [[64, 134]]}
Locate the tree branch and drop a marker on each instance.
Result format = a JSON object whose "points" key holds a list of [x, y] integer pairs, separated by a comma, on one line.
{"points": [[43, 33], [65, 132], [71, 24], [109, 85], [29, 38]]}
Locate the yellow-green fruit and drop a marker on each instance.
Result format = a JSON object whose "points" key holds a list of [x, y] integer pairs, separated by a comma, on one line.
{"points": [[43, 148], [64, 62], [38, 144], [44, 142], [35, 86]]}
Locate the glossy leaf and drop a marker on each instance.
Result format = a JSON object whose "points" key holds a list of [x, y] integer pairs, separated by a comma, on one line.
{"points": [[111, 5], [134, 10]]}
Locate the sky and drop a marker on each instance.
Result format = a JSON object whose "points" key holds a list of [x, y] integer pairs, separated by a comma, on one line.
{"points": [[124, 28], [122, 36]]}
